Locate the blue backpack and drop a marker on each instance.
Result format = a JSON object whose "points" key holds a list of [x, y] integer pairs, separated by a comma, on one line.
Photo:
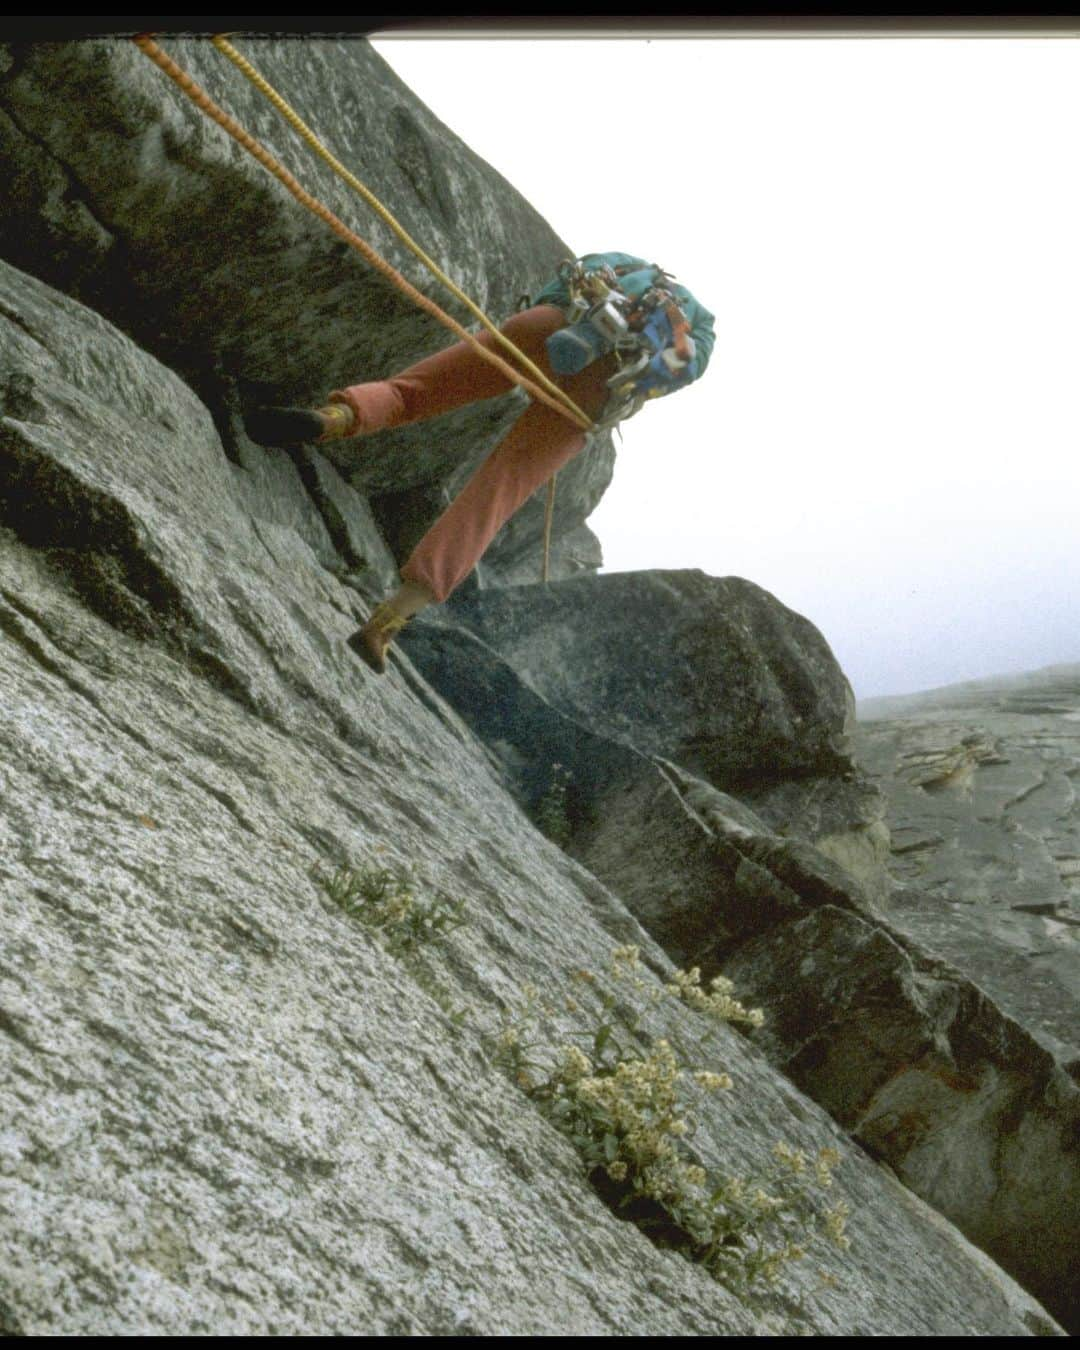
{"points": [[674, 333]]}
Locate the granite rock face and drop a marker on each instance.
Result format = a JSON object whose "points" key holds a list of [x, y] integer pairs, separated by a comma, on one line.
{"points": [[900, 1047], [125, 196], [587, 687], [227, 1106], [981, 785], [925, 1071]]}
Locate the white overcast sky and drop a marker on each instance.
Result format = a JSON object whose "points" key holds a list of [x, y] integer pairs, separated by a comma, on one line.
{"points": [[888, 231]]}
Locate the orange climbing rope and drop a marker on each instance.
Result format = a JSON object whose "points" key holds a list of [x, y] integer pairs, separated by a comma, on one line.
{"points": [[304, 131], [203, 101]]}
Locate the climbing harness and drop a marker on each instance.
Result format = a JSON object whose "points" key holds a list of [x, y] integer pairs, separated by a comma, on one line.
{"points": [[541, 388]]}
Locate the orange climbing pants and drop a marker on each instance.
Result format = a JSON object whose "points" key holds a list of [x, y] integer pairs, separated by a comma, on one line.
{"points": [[539, 443]]}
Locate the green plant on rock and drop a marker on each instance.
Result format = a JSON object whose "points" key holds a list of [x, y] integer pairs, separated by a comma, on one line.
{"points": [[624, 1109], [550, 816], [386, 899]]}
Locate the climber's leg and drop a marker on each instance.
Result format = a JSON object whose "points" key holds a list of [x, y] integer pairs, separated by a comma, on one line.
{"points": [[537, 446], [449, 379], [539, 443]]}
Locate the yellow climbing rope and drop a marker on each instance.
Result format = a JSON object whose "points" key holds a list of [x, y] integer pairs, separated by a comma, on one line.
{"points": [[558, 400], [264, 87]]}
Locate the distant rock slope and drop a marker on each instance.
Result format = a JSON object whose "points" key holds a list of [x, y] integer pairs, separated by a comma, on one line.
{"points": [[982, 783]]}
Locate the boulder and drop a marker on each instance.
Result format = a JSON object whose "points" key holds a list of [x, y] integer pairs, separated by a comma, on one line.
{"points": [[714, 673], [541, 676]]}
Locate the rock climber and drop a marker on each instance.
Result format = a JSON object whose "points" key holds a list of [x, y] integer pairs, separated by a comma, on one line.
{"points": [[611, 330]]}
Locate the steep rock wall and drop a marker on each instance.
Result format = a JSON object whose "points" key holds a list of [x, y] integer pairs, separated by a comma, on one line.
{"points": [[121, 193]]}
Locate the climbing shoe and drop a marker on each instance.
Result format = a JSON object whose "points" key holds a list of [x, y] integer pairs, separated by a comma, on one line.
{"points": [[371, 641], [298, 426], [337, 420]]}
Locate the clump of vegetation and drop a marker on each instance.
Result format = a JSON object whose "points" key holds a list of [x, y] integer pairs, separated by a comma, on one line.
{"points": [[625, 1110], [386, 899], [550, 816]]}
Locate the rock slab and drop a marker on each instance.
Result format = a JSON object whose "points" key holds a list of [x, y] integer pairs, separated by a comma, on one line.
{"points": [[227, 1108]]}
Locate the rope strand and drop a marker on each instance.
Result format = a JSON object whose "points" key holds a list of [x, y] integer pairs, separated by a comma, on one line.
{"points": [[203, 101], [268, 91]]}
